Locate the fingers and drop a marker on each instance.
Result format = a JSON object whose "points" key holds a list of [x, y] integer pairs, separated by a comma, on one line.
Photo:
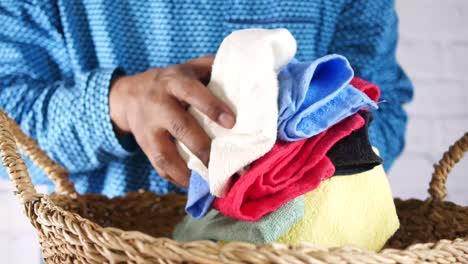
{"points": [[184, 127], [163, 155], [158, 111], [201, 67], [196, 94]]}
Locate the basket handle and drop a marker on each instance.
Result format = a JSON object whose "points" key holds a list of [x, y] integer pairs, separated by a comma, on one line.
{"points": [[11, 136], [437, 187]]}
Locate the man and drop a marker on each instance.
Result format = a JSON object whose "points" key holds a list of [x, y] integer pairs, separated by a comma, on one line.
{"points": [[102, 86]]}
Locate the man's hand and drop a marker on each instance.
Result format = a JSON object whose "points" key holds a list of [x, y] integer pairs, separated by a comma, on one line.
{"points": [[153, 107]]}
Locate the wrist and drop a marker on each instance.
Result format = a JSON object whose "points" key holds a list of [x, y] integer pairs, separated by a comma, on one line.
{"points": [[118, 89]]}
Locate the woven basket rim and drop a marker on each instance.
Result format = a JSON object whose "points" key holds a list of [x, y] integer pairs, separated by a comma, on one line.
{"points": [[148, 242], [314, 252], [107, 241], [45, 198]]}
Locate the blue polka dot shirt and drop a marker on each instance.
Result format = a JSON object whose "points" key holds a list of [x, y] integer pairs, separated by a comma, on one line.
{"points": [[57, 59]]}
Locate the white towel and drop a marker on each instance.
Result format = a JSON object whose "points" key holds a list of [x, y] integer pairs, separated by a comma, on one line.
{"points": [[244, 76]]}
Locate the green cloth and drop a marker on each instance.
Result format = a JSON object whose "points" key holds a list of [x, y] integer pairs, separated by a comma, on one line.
{"points": [[215, 226]]}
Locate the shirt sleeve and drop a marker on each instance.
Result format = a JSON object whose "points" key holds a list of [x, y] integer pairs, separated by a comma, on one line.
{"points": [[60, 105], [367, 34]]}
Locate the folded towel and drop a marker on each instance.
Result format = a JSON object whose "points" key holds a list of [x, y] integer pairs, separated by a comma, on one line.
{"points": [[292, 80], [215, 226], [356, 210], [244, 76], [286, 172], [314, 96], [199, 198], [351, 155], [354, 154]]}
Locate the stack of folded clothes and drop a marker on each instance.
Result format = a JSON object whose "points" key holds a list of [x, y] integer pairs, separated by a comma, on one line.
{"points": [[298, 165]]}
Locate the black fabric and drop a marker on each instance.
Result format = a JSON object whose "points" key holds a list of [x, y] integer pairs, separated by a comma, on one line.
{"points": [[354, 154]]}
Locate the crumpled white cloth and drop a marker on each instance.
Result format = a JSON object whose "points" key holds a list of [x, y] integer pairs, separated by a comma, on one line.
{"points": [[244, 76]]}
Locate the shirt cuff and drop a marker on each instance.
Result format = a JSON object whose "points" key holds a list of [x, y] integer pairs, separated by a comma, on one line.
{"points": [[98, 115]]}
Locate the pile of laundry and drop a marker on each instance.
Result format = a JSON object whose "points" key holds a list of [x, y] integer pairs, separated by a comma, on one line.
{"points": [[298, 165]]}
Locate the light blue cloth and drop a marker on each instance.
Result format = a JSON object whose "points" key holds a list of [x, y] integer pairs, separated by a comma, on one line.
{"points": [[199, 198], [312, 97]]}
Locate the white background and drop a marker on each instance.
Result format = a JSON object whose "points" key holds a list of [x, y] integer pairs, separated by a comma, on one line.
{"points": [[434, 52]]}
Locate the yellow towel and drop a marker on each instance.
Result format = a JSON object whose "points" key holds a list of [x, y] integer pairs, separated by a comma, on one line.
{"points": [[353, 210]]}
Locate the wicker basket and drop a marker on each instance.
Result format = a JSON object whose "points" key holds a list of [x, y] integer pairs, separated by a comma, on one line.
{"points": [[136, 228]]}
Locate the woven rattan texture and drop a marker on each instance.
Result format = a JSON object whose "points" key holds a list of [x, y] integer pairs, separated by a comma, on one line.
{"points": [[135, 228]]}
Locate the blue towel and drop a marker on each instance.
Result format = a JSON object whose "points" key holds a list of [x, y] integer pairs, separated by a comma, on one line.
{"points": [[199, 198], [312, 97]]}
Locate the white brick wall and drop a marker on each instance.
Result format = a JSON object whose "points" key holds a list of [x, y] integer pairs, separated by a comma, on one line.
{"points": [[434, 52]]}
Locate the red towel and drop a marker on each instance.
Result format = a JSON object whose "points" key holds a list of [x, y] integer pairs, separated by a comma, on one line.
{"points": [[369, 89], [286, 172]]}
